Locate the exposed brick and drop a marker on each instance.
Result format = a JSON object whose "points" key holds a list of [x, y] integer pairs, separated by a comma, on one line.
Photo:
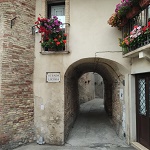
{"points": [[16, 66]]}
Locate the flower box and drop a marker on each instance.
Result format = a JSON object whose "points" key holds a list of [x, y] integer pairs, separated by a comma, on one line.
{"points": [[144, 3], [54, 49], [123, 22], [133, 12], [53, 36]]}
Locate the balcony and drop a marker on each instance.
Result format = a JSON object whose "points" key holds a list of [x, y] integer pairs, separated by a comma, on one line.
{"points": [[136, 34], [133, 19]]}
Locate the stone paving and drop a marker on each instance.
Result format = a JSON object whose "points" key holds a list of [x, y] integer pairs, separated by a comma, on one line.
{"points": [[92, 131]]}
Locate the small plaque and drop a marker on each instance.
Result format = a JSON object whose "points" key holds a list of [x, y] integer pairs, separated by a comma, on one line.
{"points": [[53, 77]]}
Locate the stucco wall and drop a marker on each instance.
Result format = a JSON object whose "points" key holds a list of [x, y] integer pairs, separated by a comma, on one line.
{"points": [[88, 33], [139, 65]]}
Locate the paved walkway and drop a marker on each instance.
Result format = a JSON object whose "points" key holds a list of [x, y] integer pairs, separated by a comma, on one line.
{"points": [[92, 131]]}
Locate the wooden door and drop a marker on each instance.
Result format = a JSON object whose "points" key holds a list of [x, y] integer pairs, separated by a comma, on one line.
{"points": [[143, 109]]}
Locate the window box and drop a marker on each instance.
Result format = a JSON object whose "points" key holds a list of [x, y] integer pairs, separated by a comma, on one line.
{"points": [[54, 52], [53, 36]]}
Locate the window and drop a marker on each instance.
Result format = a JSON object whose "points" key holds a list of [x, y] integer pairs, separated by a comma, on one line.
{"points": [[56, 41], [57, 8]]}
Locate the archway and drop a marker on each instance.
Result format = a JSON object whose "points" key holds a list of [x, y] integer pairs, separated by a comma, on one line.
{"points": [[90, 86], [113, 80]]}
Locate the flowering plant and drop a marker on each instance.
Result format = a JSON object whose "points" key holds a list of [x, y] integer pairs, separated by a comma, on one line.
{"points": [[114, 20], [53, 37], [119, 18], [123, 7], [137, 36]]}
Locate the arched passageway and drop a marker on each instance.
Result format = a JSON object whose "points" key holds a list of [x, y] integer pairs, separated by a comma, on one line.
{"points": [[112, 79], [93, 129], [90, 86]]}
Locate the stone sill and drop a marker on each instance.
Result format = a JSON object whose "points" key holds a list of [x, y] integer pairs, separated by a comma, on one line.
{"points": [[54, 52], [138, 146], [135, 53]]}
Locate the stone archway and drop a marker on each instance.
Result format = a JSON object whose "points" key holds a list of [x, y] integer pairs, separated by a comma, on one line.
{"points": [[113, 80]]}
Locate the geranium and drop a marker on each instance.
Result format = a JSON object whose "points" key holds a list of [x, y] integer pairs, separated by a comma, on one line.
{"points": [[137, 36], [52, 34], [137, 30], [146, 29]]}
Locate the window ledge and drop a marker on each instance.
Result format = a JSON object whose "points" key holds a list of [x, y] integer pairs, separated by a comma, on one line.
{"points": [[135, 53], [54, 52]]}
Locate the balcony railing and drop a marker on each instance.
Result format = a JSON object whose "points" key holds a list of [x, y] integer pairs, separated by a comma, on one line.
{"points": [[136, 33]]}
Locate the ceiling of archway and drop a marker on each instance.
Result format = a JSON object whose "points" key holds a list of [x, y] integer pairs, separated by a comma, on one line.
{"points": [[108, 69], [107, 72]]}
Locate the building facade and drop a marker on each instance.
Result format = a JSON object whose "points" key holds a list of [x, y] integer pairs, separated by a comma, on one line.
{"points": [[31, 104]]}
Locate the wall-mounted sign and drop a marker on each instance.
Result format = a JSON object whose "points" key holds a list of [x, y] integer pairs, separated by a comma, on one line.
{"points": [[53, 77]]}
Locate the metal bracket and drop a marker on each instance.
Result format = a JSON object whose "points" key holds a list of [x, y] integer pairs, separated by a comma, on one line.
{"points": [[13, 22]]}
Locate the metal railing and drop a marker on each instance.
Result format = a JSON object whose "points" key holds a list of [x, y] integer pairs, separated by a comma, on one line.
{"points": [[142, 19]]}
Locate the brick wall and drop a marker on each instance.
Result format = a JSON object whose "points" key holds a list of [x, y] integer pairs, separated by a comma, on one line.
{"points": [[16, 64], [71, 103], [117, 109]]}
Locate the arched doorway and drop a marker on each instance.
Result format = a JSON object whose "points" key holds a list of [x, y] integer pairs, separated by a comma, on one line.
{"points": [[113, 81], [90, 86]]}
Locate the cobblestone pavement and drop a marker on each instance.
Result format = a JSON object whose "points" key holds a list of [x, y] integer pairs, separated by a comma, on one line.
{"points": [[92, 131]]}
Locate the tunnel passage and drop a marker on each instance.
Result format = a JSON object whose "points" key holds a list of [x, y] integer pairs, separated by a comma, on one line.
{"points": [[112, 79]]}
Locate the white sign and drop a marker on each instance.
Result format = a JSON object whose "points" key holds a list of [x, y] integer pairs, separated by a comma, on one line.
{"points": [[53, 77]]}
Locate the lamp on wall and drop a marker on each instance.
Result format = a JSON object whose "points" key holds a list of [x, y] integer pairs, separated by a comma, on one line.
{"points": [[34, 30]]}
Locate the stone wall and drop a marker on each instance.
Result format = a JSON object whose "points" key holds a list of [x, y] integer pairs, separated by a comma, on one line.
{"points": [[99, 86], [117, 110], [16, 64], [86, 87], [71, 104], [90, 86]]}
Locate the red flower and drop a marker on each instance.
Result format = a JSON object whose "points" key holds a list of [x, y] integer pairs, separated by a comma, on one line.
{"points": [[65, 34], [55, 40], [57, 43], [37, 22], [144, 29], [64, 41], [39, 19], [135, 27], [149, 24]]}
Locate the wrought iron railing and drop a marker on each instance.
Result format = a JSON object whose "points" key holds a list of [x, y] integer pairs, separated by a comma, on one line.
{"points": [[141, 20]]}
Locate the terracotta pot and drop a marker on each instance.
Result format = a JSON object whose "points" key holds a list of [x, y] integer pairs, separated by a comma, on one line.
{"points": [[133, 12], [144, 3], [123, 22]]}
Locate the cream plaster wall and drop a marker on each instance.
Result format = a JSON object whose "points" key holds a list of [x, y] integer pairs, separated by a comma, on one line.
{"points": [[89, 33], [139, 65]]}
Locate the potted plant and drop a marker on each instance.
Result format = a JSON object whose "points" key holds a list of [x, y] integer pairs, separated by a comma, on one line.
{"points": [[138, 37], [53, 37]]}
